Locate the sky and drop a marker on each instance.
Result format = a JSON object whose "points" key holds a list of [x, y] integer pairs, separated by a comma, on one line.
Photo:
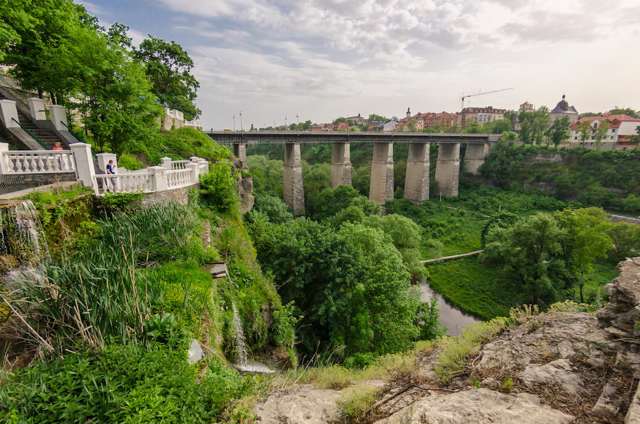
{"points": [[273, 60]]}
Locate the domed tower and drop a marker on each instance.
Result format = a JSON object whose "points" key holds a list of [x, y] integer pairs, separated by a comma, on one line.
{"points": [[564, 109]]}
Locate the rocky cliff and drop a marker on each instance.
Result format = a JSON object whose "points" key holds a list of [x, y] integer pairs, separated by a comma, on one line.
{"points": [[563, 366]]}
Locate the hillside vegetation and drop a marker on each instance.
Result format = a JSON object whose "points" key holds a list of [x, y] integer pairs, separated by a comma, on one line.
{"points": [[608, 179], [125, 293]]}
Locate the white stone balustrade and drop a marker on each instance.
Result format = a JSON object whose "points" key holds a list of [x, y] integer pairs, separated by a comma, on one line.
{"points": [[79, 160], [135, 182], [37, 162], [179, 164], [180, 178]]}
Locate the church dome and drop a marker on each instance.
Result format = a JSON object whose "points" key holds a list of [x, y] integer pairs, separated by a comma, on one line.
{"points": [[563, 107]]}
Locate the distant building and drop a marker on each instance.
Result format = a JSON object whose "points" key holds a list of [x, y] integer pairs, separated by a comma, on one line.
{"points": [[375, 126], [620, 129], [563, 109], [356, 120], [526, 107], [481, 115], [342, 126], [390, 126], [442, 120]]}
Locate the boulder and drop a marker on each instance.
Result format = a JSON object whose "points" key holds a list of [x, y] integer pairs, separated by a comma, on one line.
{"points": [[478, 406]]}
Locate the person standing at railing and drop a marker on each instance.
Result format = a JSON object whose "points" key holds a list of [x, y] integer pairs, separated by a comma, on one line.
{"points": [[57, 147], [112, 180]]}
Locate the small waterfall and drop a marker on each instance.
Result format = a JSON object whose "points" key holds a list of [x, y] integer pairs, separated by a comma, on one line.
{"points": [[241, 345], [21, 235], [243, 363]]}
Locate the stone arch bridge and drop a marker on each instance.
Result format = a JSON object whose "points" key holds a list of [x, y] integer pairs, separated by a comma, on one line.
{"points": [[416, 187]]}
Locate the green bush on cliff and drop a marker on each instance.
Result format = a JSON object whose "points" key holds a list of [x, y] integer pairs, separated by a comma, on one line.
{"points": [[124, 384], [218, 188]]}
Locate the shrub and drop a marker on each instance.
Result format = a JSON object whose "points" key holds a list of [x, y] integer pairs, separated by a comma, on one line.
{"points": [[112, 203], [355, 402], [128, 384], [99, 293], [218, 188], [456, 350], [273, 207], [130, 162]]}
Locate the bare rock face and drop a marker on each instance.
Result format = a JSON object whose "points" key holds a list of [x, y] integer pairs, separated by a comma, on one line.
{"points": [[556, 367], [478, 406], [302, 405], [546, 338], [621, 316]]}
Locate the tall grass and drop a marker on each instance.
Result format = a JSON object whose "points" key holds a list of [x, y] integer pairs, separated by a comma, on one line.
{"points": [[101, 294]]}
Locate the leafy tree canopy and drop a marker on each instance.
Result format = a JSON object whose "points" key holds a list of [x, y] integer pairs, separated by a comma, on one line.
{"points": [[551, 252], [168, 67]]}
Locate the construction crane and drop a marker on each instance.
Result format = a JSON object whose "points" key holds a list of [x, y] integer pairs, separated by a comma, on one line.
{"points": [[483, 93]]}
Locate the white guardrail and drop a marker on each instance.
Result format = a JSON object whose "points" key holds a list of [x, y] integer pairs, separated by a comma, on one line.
{"points": [[37, 162], [79, 161], [135, 182], [176, 174]]}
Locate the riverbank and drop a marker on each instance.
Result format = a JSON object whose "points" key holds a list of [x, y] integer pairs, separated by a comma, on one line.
{"points": [[456, 225]]}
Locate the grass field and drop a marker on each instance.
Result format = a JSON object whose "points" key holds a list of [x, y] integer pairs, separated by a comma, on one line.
{"points": [[457, 224]]}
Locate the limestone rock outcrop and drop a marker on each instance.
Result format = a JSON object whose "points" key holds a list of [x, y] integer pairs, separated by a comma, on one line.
{"points": [[479, 406], [553, 368]]}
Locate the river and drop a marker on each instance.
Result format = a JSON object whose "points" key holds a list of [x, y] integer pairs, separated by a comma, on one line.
{"points": [[452, 318]]}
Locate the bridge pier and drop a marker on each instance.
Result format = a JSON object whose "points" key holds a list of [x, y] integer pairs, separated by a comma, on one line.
{"points": [[340, 164], [416, 183], [448, 169], [474, 157], [240, 151], [381, 185], [293, 191]]}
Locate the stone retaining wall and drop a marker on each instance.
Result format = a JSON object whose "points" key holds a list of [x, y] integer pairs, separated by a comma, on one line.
{"points": [[178, 195], [11, 183]]}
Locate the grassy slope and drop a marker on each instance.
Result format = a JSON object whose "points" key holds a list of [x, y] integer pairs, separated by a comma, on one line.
{"points": [[467, 283]]}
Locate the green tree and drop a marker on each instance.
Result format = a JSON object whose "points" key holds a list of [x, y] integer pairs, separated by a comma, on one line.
{"points": [[406, 236], [168, 66], [118, 107], [585, 239], [49, 42], [625, 111], [550, 253], [377, 118], [584, 128], [559, 131], [350, 286], [600, 132], [14, 21], [529, 251], [533, 125]]}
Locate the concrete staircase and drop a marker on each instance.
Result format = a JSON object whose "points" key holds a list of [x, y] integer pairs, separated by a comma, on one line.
{"points": [[30, 134], [45, 137]]}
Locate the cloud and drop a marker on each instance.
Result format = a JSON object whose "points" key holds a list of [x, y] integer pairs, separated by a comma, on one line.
{"points": [[270, 56]]}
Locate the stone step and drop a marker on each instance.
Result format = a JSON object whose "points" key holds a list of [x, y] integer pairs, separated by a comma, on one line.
{"points": [[218, 270]]}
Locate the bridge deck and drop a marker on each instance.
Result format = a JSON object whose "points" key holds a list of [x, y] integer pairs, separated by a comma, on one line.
{"points": [[309, 137]]}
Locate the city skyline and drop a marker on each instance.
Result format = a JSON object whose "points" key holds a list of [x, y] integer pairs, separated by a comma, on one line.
{"points": [[323, 59]]}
